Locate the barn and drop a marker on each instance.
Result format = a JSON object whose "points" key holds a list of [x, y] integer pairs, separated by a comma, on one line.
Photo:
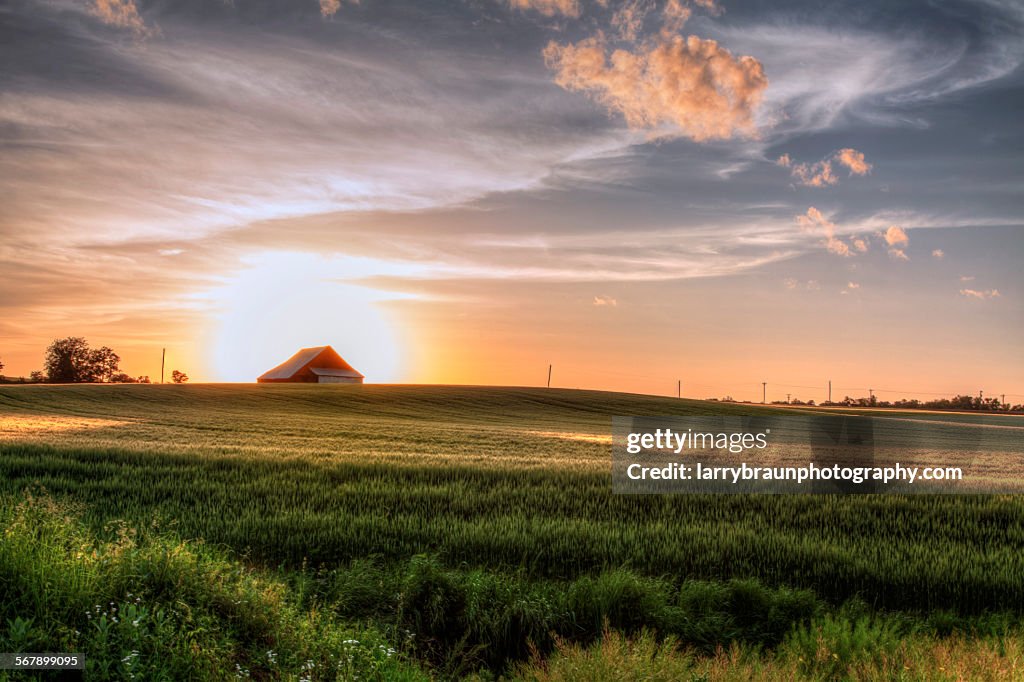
{"points": [[320, 365]]}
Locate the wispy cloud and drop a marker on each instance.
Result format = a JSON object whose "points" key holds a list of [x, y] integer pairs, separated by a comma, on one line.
{"points": [[980, 295], [792, 283], [823, 74], [605, 301], [938, 254]]}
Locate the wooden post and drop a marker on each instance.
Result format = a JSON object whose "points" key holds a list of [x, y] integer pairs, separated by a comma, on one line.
{"points": [[163, 357], [549, 376]]}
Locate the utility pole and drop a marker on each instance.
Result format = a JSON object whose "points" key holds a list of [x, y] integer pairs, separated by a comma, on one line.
{"points": [[1002, 399], [830, 390], [764, 392], [871, 394], [163, 357], [679, 388], [549, 376], [787, 399]]}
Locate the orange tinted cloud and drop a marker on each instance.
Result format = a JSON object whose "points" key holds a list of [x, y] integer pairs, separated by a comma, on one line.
{"points": [[897, 240], [815, 175], [690, 83], [821, 173], [815, 221], [837, 246], [329, 8], [854, 160], [675, 15], [605, 301], [896, 236], [628, 20], [123, 14], [549, 8]]}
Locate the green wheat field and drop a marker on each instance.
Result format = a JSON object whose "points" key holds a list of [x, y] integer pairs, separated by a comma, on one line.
{"points": [[411, 532]]}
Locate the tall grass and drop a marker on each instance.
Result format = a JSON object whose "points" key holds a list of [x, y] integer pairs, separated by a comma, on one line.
{"points": [[462, 526], [325, 475], [142, 604], [147, 606], [842, 651]]}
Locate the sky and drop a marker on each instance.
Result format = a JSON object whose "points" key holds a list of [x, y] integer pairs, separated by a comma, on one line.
{"points": [[638, 192]]}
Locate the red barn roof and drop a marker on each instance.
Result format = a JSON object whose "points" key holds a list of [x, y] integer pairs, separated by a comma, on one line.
{"points": [[310, 363]]}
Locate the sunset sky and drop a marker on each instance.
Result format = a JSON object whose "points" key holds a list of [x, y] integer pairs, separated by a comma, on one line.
{"points": [[466, 191]]}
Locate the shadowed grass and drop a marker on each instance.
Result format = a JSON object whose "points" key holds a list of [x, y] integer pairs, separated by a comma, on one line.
{"points": [[146, 606]]}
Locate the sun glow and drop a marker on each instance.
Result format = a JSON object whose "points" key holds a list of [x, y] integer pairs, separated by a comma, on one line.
{"points": [[285, 301]]}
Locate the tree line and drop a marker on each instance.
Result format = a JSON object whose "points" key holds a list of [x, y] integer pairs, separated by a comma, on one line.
{"points": [[964, 403], [72, 361]]}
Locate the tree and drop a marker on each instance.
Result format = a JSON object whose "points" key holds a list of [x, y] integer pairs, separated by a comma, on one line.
{"points": [[1, 365], [71, 360], [179, 377], [122, 378], [37, 376]]}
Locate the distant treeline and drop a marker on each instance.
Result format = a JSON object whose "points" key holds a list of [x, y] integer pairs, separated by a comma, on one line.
{"points": [[959, 403], [72, 361]]}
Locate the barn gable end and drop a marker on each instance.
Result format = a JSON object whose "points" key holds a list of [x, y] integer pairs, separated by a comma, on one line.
{"points": [[321, 364]]}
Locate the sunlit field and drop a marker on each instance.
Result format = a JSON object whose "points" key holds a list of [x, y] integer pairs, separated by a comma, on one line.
{"points": [[465, 525]]}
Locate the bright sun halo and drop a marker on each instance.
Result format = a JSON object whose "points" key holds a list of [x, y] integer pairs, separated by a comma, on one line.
{"points": [[285, 301]]}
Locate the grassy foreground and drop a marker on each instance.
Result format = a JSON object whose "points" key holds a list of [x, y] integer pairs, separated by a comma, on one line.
{"points": [[144, 605], [457, 527]]}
